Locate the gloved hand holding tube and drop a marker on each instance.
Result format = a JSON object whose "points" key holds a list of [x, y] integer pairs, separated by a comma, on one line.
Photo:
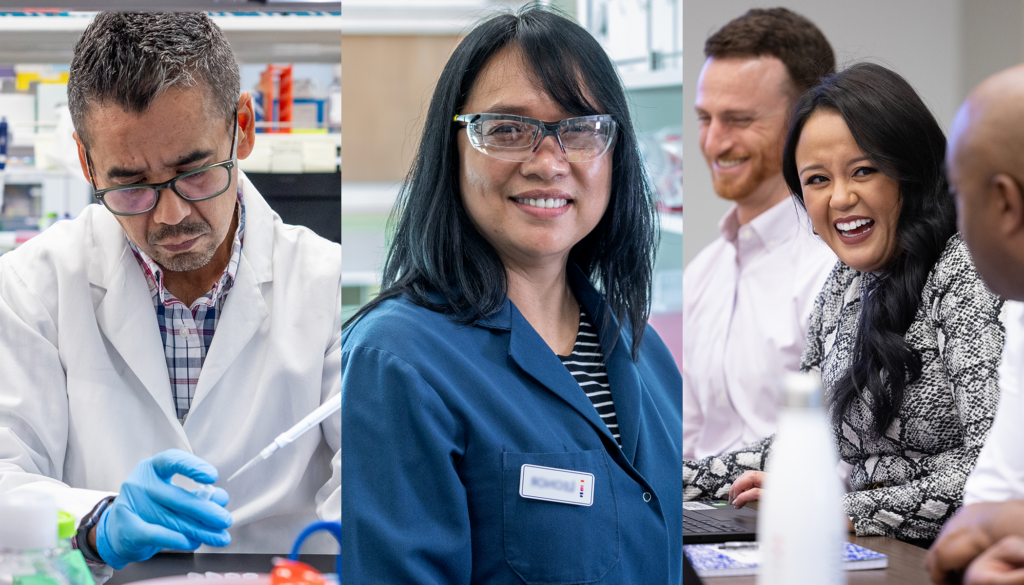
{"points": [[151, 514]]}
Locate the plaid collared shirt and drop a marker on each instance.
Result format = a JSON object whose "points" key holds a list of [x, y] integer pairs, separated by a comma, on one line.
{"points": [[187, 332]]}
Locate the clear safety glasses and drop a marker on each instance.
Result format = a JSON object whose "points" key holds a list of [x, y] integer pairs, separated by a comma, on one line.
{"points": [[195, 185], [515, 138]]}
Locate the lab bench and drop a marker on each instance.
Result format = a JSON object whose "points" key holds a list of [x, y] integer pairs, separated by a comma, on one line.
{"points": [[171, 564]]}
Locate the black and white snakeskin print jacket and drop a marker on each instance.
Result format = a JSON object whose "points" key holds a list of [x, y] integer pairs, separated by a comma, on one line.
{"points": [[907, 483]]}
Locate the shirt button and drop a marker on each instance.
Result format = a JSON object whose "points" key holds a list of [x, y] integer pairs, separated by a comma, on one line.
{"points": [[647, 496], [183, 331]]}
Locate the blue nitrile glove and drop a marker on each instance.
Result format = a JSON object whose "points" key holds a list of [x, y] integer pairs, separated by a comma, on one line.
{"points": [[151, 514]]}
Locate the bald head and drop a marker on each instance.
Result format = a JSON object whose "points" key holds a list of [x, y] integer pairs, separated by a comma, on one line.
{"points": [[985, 161], [988, 129]]}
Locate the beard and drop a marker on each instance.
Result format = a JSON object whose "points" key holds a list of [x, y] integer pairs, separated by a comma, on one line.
{"points": [[761, 169], [184, 261]]}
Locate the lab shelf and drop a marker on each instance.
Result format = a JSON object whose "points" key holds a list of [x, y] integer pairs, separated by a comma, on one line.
{"points": [[76, 21], [295, 37], [671, 222], [369, 197], [652, 79], [416, 17]]}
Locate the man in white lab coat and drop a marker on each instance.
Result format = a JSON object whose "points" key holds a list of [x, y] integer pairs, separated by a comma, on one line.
{"points": [[176, 329]]}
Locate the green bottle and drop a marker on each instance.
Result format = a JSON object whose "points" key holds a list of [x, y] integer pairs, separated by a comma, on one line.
{"points": [[70, 561]]}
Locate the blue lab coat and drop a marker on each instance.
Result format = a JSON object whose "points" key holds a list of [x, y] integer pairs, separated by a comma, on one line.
{"points": [[438, 418]]}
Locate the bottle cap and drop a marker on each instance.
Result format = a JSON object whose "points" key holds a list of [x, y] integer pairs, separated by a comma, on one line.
{"points": [[65, 525], [27, 521], [801, 390]]}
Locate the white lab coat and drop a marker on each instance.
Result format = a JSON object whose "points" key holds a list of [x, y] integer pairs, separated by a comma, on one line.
{"points": [[84, 388]]}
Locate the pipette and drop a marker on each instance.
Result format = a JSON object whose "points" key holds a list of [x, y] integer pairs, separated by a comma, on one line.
{"points": [[314, 418]]}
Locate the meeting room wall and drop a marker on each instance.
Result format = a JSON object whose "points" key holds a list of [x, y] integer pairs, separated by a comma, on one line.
{"points": [[942, 47]]}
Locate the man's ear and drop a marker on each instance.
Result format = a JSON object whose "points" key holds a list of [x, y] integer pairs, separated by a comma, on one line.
{"points": [[246, 126], [82, 159], [1010, 204]]}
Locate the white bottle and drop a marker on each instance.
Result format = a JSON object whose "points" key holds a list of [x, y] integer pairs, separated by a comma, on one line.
{"points": [[28, 540], [801, 530]]}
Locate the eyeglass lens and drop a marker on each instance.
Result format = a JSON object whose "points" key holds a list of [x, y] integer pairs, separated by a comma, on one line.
{"points": [[199, 185], [514, 140]]}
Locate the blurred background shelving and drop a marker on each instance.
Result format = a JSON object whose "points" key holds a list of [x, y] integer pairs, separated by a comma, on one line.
{"points": [[296, 164]]}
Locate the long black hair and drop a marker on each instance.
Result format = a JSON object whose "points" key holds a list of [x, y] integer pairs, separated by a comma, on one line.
{"points": [[437, 257], [899, 135]]}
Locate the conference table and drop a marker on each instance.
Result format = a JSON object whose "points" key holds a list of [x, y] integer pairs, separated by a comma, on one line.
{"points": [[906, 564]]}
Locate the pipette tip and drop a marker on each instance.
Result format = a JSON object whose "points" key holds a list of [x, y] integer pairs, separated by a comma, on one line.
{"points": [[244, 467]]}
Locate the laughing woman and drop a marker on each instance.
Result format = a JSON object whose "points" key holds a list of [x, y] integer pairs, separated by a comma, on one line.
{"points": [[508, 416], [905, 335]]}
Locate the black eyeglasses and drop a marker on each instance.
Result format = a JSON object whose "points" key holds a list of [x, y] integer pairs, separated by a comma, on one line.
{"points": [[515, 138], [195, 185]]}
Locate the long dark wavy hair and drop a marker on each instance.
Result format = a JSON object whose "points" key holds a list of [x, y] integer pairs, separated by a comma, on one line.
{"points": [[436, 251], [899, 135]]}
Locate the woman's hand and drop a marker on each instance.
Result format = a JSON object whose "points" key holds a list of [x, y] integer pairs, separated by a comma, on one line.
{"points": [[1001, 564], [746, 488]]}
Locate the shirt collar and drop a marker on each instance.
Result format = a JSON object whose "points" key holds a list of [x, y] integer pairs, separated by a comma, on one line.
{"points": [[771, 228], [154, 272]]}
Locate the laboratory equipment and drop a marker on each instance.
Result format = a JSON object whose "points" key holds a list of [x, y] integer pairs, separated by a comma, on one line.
{"points": [[65, 530], [70, 561], [276, 109], [28, 539], [291, 571], [205, 491], [124, 533], [331, 406], [219, 576]]}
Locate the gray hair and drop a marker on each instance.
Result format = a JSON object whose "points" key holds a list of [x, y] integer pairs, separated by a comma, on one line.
{"points": [[129, 59]]}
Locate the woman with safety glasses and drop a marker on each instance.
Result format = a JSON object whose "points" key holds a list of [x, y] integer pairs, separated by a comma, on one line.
{"points": [[508, 415]]}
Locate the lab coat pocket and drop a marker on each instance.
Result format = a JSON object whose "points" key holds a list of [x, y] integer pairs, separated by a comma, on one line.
{"points": [[549, 542]]}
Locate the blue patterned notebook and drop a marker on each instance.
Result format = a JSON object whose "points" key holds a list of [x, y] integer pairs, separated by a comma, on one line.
{"points": [[742, 558]]}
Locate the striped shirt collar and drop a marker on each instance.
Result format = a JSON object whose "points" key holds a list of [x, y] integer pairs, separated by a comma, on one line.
{"points": [[155, 276]]}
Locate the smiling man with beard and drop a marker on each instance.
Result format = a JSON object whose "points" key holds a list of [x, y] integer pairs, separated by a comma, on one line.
{"points": [[747, 297], [176, 330]]}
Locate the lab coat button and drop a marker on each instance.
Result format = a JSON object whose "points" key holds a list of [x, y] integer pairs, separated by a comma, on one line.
{"points": [[183, 331], [647, 496]]}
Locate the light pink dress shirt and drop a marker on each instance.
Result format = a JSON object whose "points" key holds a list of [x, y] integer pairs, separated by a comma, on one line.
{"points": [[747, 300]]}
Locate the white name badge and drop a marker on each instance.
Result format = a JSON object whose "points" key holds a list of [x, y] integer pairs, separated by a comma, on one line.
{"points": [[556, 485]]}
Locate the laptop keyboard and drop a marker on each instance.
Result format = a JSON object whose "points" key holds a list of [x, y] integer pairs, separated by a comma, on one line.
{"points": [[691, 524]]}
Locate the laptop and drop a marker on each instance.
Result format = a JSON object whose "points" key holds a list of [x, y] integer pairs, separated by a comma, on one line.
{"points": [[713, 521]]}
